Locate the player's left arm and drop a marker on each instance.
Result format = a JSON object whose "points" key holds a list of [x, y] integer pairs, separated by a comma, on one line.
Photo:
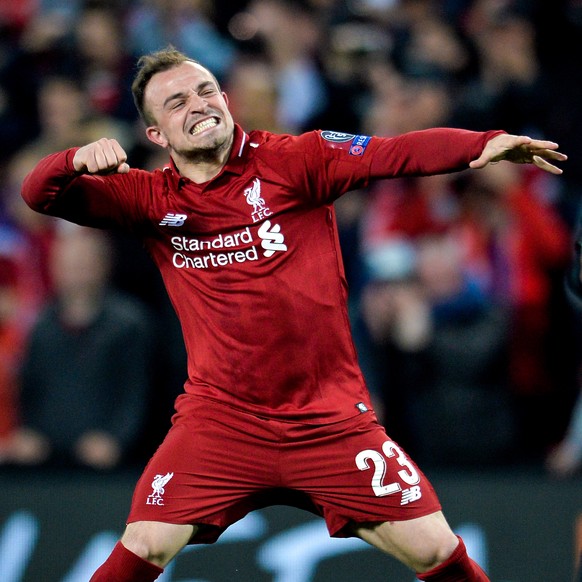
{"points": [[520, 149]]}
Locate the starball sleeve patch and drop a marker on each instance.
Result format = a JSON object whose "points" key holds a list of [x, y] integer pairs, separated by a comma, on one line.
{"points": [[355, 145]]}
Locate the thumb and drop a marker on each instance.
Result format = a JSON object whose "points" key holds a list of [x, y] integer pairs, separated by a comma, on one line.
{"points": [[480, 162], [123, 168]]}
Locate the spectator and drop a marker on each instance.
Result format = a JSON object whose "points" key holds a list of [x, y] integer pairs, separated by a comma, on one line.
{"points": [[84, 378], [67, 112], [186, 24], [510, 88], [27, 241], [426, 45], [253, 81], [517, 246], [11, 340], [565, 460], [64, 117], [104, 61], [291, 38], [440, 352]]}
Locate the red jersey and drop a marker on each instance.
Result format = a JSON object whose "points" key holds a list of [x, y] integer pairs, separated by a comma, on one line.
{"points": [[251, 259]]}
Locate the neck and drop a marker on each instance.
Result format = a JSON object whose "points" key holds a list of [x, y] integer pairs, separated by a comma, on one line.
{"points": [[202, 165], [198, 172]]}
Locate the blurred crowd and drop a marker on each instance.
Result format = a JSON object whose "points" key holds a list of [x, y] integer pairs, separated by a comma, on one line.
{"points": [[469, 346]]}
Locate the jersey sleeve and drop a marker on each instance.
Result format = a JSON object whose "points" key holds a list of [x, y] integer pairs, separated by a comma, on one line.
{"points": [[428, 152], [336, 163], [54, 188]]}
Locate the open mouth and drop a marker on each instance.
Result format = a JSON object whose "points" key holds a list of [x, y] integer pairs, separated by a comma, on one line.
{"points": [[204, 125]]}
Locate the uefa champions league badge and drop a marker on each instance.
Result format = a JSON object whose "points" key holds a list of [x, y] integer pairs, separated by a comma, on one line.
{"points": [[359, 145], [337, 136], [355, 145], [337, 140]]}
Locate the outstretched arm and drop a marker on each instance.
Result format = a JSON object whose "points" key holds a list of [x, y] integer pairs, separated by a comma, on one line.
{"points": [[520, 149]]}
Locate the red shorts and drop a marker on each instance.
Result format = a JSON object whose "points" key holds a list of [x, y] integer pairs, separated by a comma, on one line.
{"points": [[217, 464]]}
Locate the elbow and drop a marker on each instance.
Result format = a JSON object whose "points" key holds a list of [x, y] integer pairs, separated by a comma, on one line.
{"points": [[34, 197], [28, 193]]}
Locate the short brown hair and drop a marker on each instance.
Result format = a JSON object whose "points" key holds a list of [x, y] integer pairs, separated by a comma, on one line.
{"points": [[147, 67]]}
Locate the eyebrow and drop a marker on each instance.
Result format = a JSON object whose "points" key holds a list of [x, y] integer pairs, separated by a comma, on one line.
{"points": [[182, 94]]}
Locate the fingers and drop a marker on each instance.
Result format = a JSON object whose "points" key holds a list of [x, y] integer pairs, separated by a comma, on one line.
{"points": [[101, 157], [543, 164], [521, 150], [549, 154], [541, 144]]}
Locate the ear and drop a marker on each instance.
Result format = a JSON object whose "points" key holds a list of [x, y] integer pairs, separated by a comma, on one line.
{"points": [[155, 135], [225, 97]]}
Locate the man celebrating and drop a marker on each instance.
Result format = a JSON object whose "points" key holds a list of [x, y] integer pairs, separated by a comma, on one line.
{"points": [[275, 408]]}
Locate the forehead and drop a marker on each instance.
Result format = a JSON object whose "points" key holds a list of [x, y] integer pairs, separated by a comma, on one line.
{"points": [[179, 79]]}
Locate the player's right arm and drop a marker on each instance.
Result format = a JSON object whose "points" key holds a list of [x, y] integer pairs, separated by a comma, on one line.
{"points": [[90, 185]]}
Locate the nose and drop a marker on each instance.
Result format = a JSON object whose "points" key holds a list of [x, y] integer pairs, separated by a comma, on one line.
{"points": [[197, 103]]}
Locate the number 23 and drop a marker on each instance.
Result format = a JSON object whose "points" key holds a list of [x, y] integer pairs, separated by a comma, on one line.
{"points": [[408, 474]]}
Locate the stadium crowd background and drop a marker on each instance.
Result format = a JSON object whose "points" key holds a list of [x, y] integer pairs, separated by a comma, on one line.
{"points": [[465, 335]]}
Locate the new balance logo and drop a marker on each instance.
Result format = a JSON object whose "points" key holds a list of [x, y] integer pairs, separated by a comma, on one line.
{"points": [[409, 495], [273, 240], [172, 219]]}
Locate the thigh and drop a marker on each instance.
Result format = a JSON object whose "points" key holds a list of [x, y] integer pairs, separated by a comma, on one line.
{"points": [[157, 542], [421, 543], [208, 471], [354, 473]]}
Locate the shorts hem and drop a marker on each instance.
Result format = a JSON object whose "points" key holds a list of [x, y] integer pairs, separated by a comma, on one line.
{"points": [[208, 533], [342, 530]]}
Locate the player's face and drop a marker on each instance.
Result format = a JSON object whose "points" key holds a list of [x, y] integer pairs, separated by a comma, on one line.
{"points": [[191, 113]]}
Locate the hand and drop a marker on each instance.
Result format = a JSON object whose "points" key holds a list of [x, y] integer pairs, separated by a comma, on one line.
{"points": [[520, 149], [104, 156], [28, 447], [564, 461], [98, 449]]}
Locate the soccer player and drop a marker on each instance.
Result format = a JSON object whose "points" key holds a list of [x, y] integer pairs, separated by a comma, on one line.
{"points": [[275, 408]]}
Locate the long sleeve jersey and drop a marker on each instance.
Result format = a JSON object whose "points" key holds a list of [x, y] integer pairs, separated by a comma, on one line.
{"points": [[251, 259]]}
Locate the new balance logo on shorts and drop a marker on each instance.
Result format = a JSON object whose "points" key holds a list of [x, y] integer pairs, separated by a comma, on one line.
{"points": [[410, 495]]}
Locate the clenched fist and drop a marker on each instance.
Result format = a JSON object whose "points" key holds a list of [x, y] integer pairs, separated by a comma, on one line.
{"points": [[104, 156]]}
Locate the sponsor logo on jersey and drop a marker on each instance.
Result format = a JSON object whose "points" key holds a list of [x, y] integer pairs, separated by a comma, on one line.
{"points": [[239, 246], [158, 489], [173, 219], [272, 239], [254, 199], [222, 250]]}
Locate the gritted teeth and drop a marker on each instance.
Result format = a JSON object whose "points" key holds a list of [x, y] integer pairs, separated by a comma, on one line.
{"points": [[207, 123]]}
